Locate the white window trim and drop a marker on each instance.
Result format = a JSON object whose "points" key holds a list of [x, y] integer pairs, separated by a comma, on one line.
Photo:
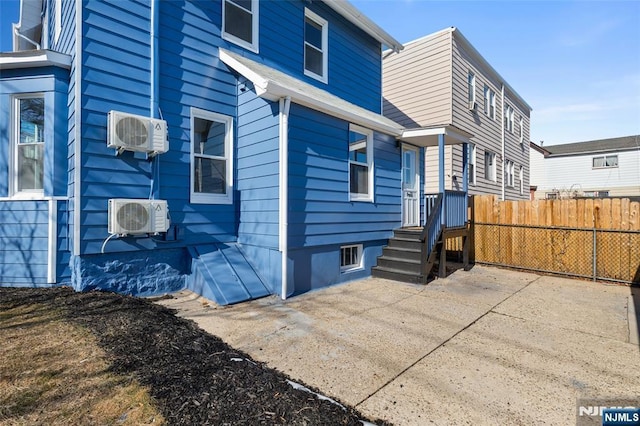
{"points": [[200, 198], [604, 157], [34, 194], [509, 173], [521, 176], [487, 100], [352, 267], [255, 26], [521, 130], [325, 47], [472, 160], [370, 163], [492, 104], [472, 86], [494, 167]]}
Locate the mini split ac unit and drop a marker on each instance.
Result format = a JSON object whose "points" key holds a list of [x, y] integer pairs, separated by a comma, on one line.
{"points": [[130, 216], [473, 105], [128, 132]]}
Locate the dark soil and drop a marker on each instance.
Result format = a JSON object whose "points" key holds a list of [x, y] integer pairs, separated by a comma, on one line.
{"points": [[195, 378]]}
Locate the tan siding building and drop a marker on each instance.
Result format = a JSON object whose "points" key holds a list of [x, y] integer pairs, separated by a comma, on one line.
{"points": [[440, 80]]}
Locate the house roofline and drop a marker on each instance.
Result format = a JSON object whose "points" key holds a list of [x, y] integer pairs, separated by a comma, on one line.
{"points": [[476, 55], [34, 59], [359, 19]]}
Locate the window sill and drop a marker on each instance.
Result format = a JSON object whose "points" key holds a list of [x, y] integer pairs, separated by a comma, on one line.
{"points": [[208, 199], [315, 76], [361, 198], [354, 269], [239, 42]]}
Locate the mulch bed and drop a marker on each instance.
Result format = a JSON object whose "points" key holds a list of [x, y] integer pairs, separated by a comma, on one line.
{"points": [[195, 377]]}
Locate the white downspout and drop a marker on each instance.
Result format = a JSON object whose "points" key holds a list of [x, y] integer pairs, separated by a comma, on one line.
{"points": [[285, 104], [502, 135], [154, 103]]}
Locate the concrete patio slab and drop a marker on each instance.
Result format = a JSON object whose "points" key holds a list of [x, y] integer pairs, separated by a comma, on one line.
{"points": [[488, 346]]}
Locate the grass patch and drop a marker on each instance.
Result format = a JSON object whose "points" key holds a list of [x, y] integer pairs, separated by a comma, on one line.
{"points": [[53, 372]]}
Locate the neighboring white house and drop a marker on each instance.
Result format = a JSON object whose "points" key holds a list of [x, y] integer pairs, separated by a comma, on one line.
{"points": [[598, 168], [536, 168]]}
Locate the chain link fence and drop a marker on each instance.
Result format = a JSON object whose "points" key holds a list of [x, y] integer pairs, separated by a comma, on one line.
{"points": [[599, 254]]}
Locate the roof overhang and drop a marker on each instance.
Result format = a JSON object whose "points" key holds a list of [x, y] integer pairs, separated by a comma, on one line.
{"points": [[272, 84], [428, 136], [353, 15], [34, 59]]}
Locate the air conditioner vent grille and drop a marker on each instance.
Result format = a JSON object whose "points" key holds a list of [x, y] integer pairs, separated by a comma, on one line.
{"points": [[132, 216], [132, 131]]}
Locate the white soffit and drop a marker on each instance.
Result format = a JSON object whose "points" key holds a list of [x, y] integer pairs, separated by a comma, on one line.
{"points": [[272, 84]]}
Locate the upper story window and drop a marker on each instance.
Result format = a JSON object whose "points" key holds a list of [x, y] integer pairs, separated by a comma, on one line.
{"points": [[27, 166], [605, 161], [211, 157], [521, 176], [472, 90], [315, 46], [57, 29], [508, 118], [490, 166], [521, 130], [509, 172], [360, 163], [472, 163], [240, 23], [489, 102]]}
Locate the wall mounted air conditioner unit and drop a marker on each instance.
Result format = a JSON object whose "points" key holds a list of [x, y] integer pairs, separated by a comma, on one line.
{"points": [[129, 132], [131, 216], [473, 105]]}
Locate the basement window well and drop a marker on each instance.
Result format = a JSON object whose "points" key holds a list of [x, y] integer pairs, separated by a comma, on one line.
{"points": [[350, 258]]}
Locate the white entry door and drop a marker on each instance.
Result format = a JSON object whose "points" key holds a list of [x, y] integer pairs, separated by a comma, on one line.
{"points": [[410, 187]]}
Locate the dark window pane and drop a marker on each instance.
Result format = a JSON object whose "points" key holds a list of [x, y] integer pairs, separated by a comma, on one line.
{"points": [[209, 137], [246, 4], [210, 176], [359, 176], [238, 22], [31, 120], [313, 33], [313, 60]]}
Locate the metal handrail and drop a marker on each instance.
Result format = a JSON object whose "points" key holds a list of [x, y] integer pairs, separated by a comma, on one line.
{"points": [[430, 233]]}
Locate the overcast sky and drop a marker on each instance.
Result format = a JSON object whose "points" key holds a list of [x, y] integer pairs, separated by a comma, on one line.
{"points": [[577, 63]]}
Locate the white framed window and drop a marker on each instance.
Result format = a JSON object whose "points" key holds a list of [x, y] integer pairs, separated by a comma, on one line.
{"points": [[211, 157], [471, 89], [521, 130], [521, 176], [490, 166], [316, 42], [605, 161], [508, 118], [240, 23], [509, 171], [472, 164], [489, 102], [360, 163], [27, 147], [350, 258]]}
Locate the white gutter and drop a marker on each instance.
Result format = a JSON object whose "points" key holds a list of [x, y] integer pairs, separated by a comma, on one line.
{"points": [[16, 32], [154, 103], [52, 242], [356, 17], [502, 136], [77, 147], [283, 222]]}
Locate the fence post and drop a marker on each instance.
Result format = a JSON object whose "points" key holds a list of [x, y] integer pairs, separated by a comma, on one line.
{"points": [[595, 255]]}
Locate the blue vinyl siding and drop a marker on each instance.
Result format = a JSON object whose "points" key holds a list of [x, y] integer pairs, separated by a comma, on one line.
{"points": [[23, 243], [320, 212]]}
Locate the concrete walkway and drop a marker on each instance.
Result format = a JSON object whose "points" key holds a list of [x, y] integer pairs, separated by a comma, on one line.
{"points": [[488, 346]]}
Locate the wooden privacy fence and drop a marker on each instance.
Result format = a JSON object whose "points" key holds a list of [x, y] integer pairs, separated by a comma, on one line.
{"points": [[595, 238]]}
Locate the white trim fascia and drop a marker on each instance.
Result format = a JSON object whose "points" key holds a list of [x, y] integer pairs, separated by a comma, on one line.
{"points": [[457, 134], [273, 91], [52, 257], [77, 147], [353, 15], [34, 59]]}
